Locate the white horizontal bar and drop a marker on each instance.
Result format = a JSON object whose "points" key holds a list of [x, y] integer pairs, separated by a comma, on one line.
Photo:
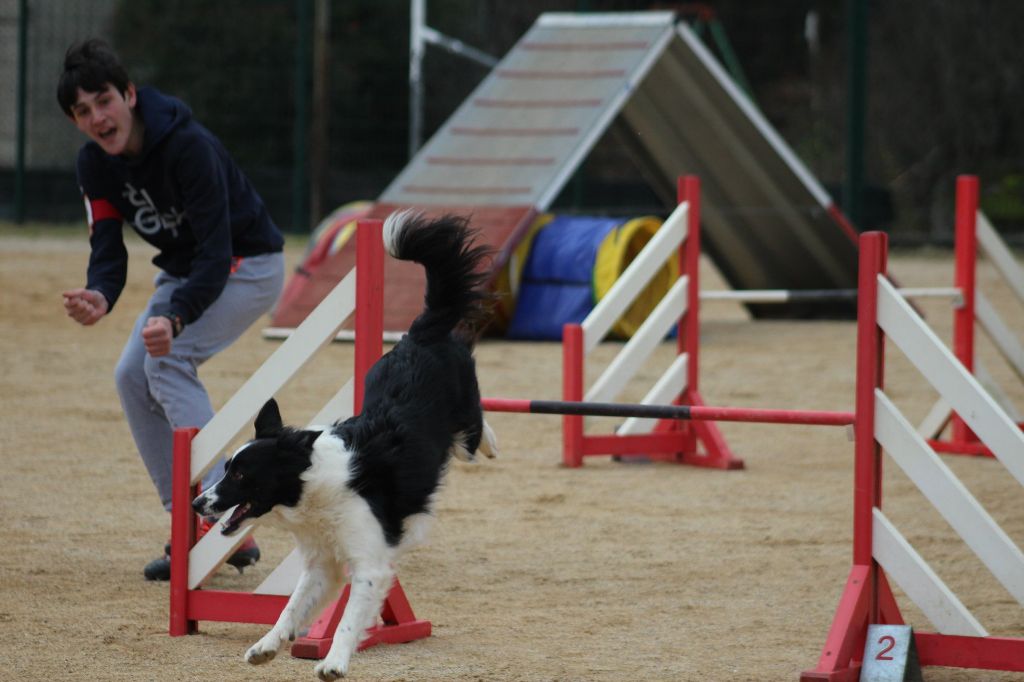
{"points": [[280, 333], [786, 295], [915, 577]]}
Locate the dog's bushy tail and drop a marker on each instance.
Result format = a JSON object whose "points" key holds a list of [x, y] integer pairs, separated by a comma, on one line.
{"points": [[444, 246]]}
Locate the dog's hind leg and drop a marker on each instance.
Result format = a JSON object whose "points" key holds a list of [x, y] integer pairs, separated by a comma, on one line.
{"points": [[319, 582], [489, 442], [486, 442]]}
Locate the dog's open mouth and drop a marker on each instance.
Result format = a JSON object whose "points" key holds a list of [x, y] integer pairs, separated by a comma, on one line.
{"points": [[240, 514]]}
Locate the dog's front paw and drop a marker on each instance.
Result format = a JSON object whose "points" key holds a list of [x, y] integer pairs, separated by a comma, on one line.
{"points": [[331, 669], [264, 650]]}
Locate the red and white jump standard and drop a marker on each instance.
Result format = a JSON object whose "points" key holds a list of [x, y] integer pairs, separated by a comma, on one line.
{"points": [[867, 597], [189, 603], [670, 439]]}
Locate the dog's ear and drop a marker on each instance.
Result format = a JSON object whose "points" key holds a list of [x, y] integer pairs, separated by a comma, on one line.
{"points": [[309, 437], [268, 421]]}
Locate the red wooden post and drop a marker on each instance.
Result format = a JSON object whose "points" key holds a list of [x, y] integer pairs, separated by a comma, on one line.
{"points": [[966, 258], [369, 303], [865, 587], [572, 390], [183, 533], [689, 263], [688, 332]]}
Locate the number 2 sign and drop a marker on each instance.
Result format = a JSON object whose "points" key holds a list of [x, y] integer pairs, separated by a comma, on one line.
{"points": [[890, 655]]}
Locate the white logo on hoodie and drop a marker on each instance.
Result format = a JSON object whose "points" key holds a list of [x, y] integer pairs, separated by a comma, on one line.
{"points": [[148, 219]]}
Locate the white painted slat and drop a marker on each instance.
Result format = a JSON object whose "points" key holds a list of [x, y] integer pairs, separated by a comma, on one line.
{"points": [[664, 391], [315, 331], [955, 384], [635, 277], [1001, 257], [1000, 334], [212, 549], [636, 351], [909, 570], [949, 496], [284, 578], [993, 388], [337, 408], [936, 419]]}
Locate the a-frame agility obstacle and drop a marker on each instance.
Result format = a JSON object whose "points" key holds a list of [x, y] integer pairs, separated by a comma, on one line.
{"points": [[195, 451]]}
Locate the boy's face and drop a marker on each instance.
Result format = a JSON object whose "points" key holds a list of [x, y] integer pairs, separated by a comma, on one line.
{"points": [[106, 118]]}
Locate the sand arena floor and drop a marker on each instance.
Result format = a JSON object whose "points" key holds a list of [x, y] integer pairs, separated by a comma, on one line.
{"points": [[533, 572]]}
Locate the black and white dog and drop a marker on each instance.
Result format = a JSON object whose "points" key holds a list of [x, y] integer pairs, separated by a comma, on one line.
{"points": [[360, 492]]}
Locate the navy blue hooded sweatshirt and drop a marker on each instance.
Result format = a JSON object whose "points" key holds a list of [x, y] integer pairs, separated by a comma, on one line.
{"points": [[184, 195]]}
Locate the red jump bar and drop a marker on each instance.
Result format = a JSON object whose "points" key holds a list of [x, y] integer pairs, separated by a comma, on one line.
{"points": [[689, 412]]}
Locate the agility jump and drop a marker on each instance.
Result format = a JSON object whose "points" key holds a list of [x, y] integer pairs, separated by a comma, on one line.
{"points": [[880, 552], [196, 451], [667, 439]]}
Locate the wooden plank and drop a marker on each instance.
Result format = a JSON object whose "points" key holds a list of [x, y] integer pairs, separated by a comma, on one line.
{"points": [[949, 496], [634, 278], [638, 349], [284, 577], [915, 577], [317, 330], [664, 391], [1000, 334], [954, 383], [985, 379], [212, 549], [936, 420], [1000, 256]]}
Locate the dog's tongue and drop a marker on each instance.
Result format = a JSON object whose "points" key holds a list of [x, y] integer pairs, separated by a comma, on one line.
{"points": [[236, 518]]}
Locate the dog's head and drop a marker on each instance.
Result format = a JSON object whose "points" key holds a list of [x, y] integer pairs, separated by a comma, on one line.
{"points": [[263, 473]]}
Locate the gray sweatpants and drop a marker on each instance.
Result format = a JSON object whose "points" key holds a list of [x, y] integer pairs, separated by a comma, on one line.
{"points": [[161, 394]]}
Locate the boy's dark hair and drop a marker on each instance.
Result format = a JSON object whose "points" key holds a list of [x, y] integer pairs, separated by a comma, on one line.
{"points": [[89, 65]]}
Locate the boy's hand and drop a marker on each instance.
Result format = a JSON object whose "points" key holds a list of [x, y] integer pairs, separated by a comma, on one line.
{"points": [[85, 306], [157, 335]]}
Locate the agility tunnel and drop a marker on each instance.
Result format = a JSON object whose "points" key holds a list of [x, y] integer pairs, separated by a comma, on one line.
{"points": [[564, 267]]}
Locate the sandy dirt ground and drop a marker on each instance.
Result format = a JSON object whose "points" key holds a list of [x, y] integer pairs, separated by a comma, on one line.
{"points": [[533, 572]]}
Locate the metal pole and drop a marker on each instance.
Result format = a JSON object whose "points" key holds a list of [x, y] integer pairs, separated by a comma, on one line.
{"points": [[853, 186], [20, 116], [300, 126], [417, 12], [319, 129]]}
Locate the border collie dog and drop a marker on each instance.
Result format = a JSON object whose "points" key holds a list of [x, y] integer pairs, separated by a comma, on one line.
{"points": [[360, 492]]}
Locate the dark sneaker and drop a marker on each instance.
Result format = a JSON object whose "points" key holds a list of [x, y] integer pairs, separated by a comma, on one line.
{"points": [[158, 569]]}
